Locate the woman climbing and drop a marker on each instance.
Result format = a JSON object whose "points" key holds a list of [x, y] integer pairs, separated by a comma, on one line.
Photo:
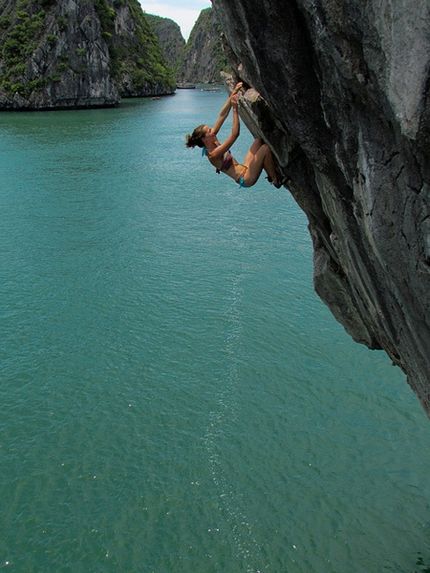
{"points": [[259, 156]]}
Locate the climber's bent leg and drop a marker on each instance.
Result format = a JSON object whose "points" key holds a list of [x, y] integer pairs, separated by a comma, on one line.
{"points": [[261, 159], [258, 142]]}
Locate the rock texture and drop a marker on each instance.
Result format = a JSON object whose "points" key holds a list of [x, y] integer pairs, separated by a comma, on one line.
{"points": [[77, 53], [341, 94], [137, 63], [204, 57], [170, 38]]}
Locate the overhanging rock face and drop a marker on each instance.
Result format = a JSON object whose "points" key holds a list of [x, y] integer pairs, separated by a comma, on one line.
{"points": [[344, 105]]}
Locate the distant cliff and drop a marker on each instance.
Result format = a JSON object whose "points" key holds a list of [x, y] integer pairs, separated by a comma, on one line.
{"points": [[342, 96], [171, 41], [77, 53], [204, 58]]}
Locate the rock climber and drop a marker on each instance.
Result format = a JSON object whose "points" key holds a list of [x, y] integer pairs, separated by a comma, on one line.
{"points": [[259, 155]]}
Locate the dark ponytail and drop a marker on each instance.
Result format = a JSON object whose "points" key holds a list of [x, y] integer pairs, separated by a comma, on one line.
{"points": [[196, 137]]}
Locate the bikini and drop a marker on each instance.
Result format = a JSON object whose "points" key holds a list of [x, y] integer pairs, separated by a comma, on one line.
{"points": [[227, 162]]}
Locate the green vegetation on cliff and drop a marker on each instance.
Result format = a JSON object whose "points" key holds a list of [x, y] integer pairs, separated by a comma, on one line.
{"points": [[21, 27], [203, 57], [56, 53], [135, 58], [170, 39]]}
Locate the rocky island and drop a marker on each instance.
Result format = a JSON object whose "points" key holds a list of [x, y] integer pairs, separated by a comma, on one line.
{"points": [[71, 54], [170, 38], [204, 59], [340, 91]]}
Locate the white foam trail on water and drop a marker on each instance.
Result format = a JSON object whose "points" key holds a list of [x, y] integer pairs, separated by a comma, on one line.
{"points": [[225, 412]]}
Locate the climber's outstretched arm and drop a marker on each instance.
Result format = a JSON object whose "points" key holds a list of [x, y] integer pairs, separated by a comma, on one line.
{"points": [[225, 110], [235, 131]]}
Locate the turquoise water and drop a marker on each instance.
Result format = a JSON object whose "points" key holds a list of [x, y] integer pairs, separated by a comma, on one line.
{"points": [[174, 396]]}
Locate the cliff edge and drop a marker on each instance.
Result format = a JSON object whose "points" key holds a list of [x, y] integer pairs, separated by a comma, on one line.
{"points": [[341, 94]]}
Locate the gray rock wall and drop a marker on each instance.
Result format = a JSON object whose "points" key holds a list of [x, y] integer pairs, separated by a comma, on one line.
{"points": [[343, 103], [77, 53], [170, 38], [203, 57], [67, 56]]}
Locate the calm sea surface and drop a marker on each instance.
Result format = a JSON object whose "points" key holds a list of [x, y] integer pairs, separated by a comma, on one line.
{"points": [[174, 397]]}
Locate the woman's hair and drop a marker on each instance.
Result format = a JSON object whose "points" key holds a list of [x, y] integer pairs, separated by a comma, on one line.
{"points": [[196, 137]]}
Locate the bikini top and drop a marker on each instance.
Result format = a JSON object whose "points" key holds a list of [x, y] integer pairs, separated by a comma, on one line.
{"points": [[227, 161]]}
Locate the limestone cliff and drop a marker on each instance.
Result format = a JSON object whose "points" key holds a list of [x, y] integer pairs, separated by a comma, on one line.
{"points": [[171, 41], [344, 104], [204, 57], [137, 63], [77, 53]]}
